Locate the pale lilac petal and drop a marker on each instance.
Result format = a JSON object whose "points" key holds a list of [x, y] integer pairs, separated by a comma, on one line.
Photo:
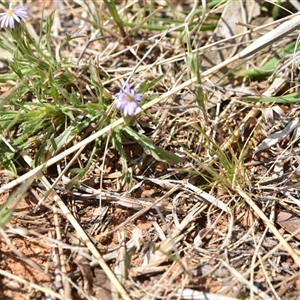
{"points": [[21, 12], [130, 109], [16, 18], [3, 18], [120, 104], [138, 97], [120, 96], [13, 15], [7, 21], [11, 22]]}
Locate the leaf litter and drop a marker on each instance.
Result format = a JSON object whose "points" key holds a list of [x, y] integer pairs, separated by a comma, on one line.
{"points": [[219, 221]]}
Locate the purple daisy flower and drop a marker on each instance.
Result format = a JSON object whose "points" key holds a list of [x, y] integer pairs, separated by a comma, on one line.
{"points": [[127, 100], [8, 18]]}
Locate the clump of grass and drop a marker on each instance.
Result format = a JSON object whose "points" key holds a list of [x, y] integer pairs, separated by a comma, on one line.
{"points": [[47, 107]]}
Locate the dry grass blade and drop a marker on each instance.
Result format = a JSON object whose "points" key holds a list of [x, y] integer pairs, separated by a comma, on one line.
{"points": [[271, 37], [168, 246], [189, 294], [26, 283], [121, 268], [209, 198], [278, 136], [59, 257], [145, 209], [241, 278], [81, 233], [270, 225]]}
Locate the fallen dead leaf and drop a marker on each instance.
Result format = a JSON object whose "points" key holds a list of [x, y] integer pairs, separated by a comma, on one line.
{"points": [[289, 222]]}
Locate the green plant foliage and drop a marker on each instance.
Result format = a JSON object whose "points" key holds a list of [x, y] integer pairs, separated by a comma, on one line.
{"points": [[270, 66], [6, 158], [157, 152], [116, 139], [290, 98]]}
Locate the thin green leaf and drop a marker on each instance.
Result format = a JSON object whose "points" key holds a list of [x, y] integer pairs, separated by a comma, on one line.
{"points": [[269, 67], [118, 145], [6, 158], [291, 98], [155, 151], [150, 85]]}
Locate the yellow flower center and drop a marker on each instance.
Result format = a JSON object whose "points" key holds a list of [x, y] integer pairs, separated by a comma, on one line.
{"points": [[10, 12]]}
